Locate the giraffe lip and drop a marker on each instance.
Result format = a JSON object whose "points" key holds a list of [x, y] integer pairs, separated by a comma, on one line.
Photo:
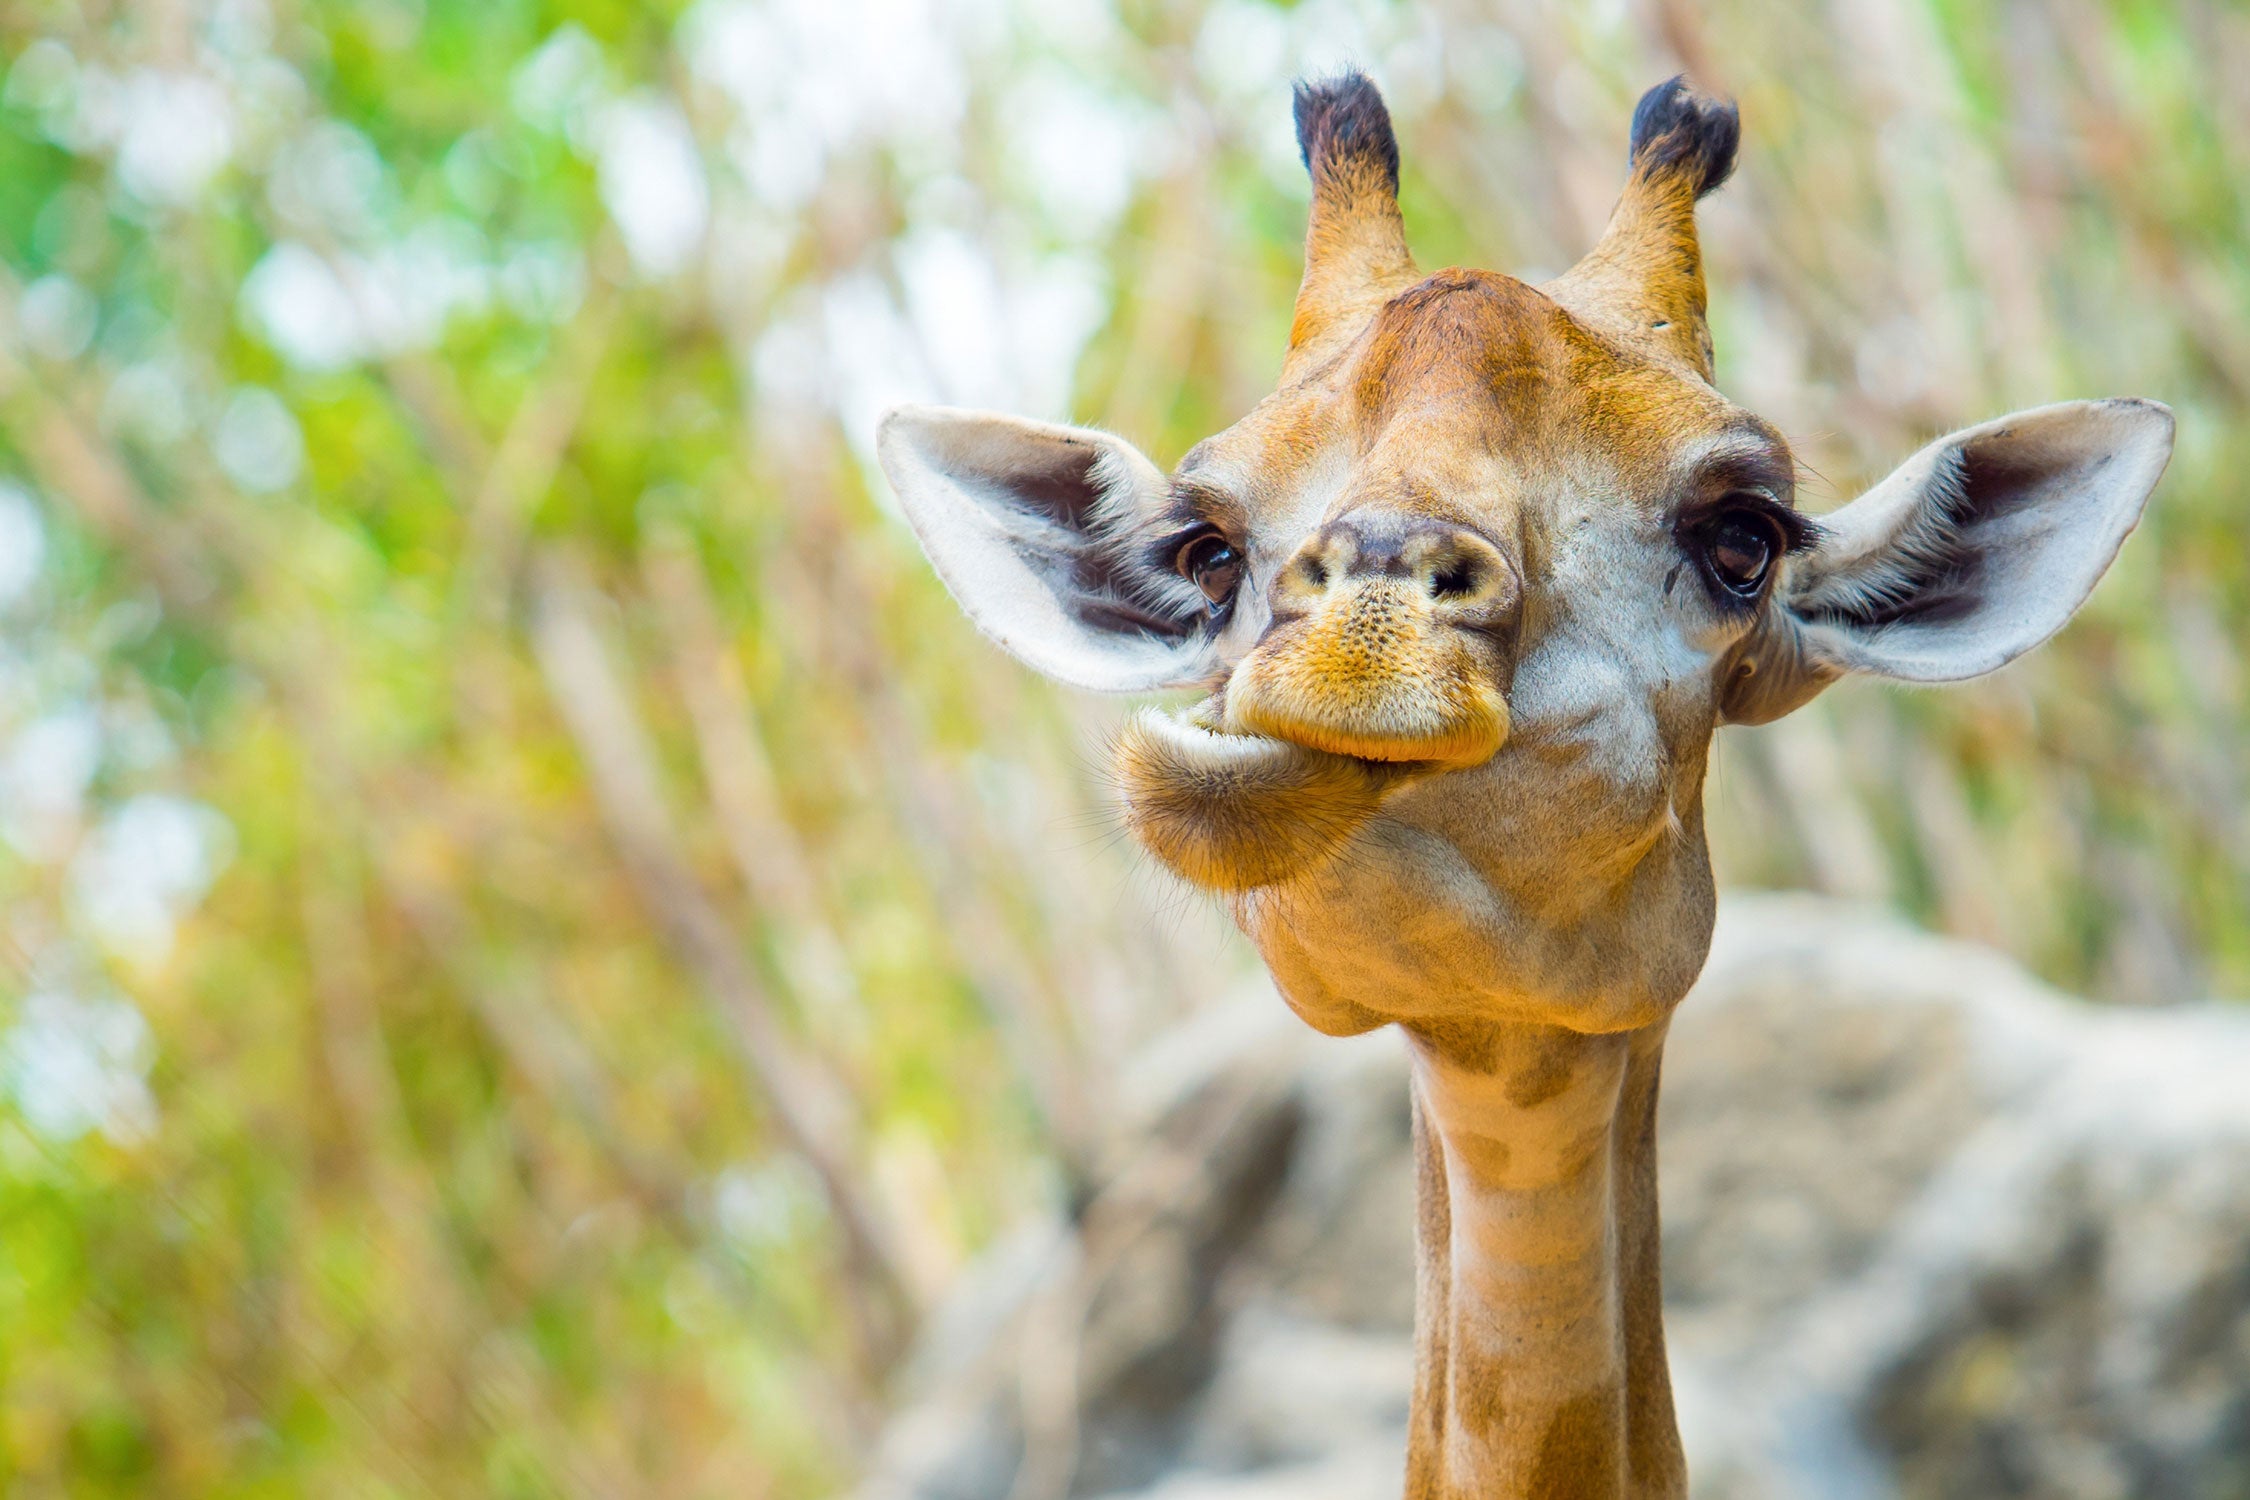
{"points": [[1373, 680], [1388, 759], [1447, 746], [1452, 730], [1232, 812]]}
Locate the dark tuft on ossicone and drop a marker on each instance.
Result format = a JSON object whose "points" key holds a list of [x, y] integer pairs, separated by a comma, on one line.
{"points": [[1342, 120], [1676, 129]]}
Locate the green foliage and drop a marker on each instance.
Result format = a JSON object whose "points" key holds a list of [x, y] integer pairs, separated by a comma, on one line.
{"points": [[476, 743]]}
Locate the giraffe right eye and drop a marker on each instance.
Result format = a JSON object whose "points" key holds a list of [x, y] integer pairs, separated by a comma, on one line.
{"points": [[1739, 546], [1212, 565]]}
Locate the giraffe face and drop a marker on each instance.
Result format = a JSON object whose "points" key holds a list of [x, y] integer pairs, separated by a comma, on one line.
{"points": [[1467, 596], [1483, 551]]}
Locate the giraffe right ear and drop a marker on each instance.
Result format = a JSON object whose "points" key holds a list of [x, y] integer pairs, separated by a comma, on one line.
{"points": [[1972, 552], [1047, 536]]}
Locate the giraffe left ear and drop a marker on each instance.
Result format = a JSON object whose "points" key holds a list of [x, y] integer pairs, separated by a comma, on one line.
{"points": [[1048, 538], [1974, 551]]}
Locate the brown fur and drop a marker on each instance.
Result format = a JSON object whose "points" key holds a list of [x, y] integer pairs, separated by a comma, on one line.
{"points": [[1540, 1077], [1654, 1462], [1470, 1045], [1577, 1452], [1433, 1234], [1557, 1190]]}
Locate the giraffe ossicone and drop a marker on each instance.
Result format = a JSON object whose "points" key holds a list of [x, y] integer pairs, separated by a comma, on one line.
{"points": [[1468, 596]]}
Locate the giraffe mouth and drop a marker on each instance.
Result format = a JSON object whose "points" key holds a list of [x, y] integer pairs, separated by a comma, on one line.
{"points": [[1232, 811]]}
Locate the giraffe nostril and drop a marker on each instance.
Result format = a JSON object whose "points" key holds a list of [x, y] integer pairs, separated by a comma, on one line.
{"points": [[1453, 569], [1314, 573], [1455, 580]]}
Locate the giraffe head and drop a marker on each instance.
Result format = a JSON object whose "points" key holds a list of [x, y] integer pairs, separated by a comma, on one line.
{"points": [[1470, 592]]}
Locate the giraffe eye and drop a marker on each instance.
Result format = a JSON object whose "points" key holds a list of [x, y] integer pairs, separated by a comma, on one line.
{"points": [[1210, 563], [1739, 545]]}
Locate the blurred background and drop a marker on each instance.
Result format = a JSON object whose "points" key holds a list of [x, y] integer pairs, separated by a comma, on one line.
{"points": [[535, 943]]}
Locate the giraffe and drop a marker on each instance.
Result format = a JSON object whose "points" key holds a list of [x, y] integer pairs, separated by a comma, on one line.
{"points": [[1466, 599]]}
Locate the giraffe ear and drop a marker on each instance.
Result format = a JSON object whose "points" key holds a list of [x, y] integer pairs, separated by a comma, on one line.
{"points": [[1047, 537], [1974, 551]]}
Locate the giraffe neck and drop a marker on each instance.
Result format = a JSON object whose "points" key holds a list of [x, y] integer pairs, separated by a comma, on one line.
{"points": [[1539, 1336]]}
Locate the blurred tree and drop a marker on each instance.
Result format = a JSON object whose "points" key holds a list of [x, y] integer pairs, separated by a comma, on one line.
{"points": [[535, 937]]}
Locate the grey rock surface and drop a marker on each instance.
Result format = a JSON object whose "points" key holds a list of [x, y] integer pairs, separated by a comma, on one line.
{"points": [[1931, 1229]]}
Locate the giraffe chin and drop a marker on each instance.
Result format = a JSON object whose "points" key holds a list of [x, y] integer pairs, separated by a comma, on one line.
{"points": [[1232, 812]]}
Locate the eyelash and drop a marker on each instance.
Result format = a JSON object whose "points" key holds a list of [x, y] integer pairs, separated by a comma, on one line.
{"points": [[1170, 555], [1798, 531], [1699, 535]]}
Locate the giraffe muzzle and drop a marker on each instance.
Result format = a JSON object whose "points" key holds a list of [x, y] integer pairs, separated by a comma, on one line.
{"points": [[1383, 665], [1385, 649]]}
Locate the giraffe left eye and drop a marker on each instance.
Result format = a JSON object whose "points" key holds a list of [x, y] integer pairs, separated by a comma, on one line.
{"points": [[1212, 565], [1739, 546]]}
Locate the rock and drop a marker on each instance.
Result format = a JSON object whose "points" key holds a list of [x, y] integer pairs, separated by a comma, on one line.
{"points": [[1294, 1390], [2057, 1304], [1931, 1229]]}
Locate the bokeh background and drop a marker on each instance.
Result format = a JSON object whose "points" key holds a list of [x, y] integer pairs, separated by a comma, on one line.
{"points": [[534, 942]]}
